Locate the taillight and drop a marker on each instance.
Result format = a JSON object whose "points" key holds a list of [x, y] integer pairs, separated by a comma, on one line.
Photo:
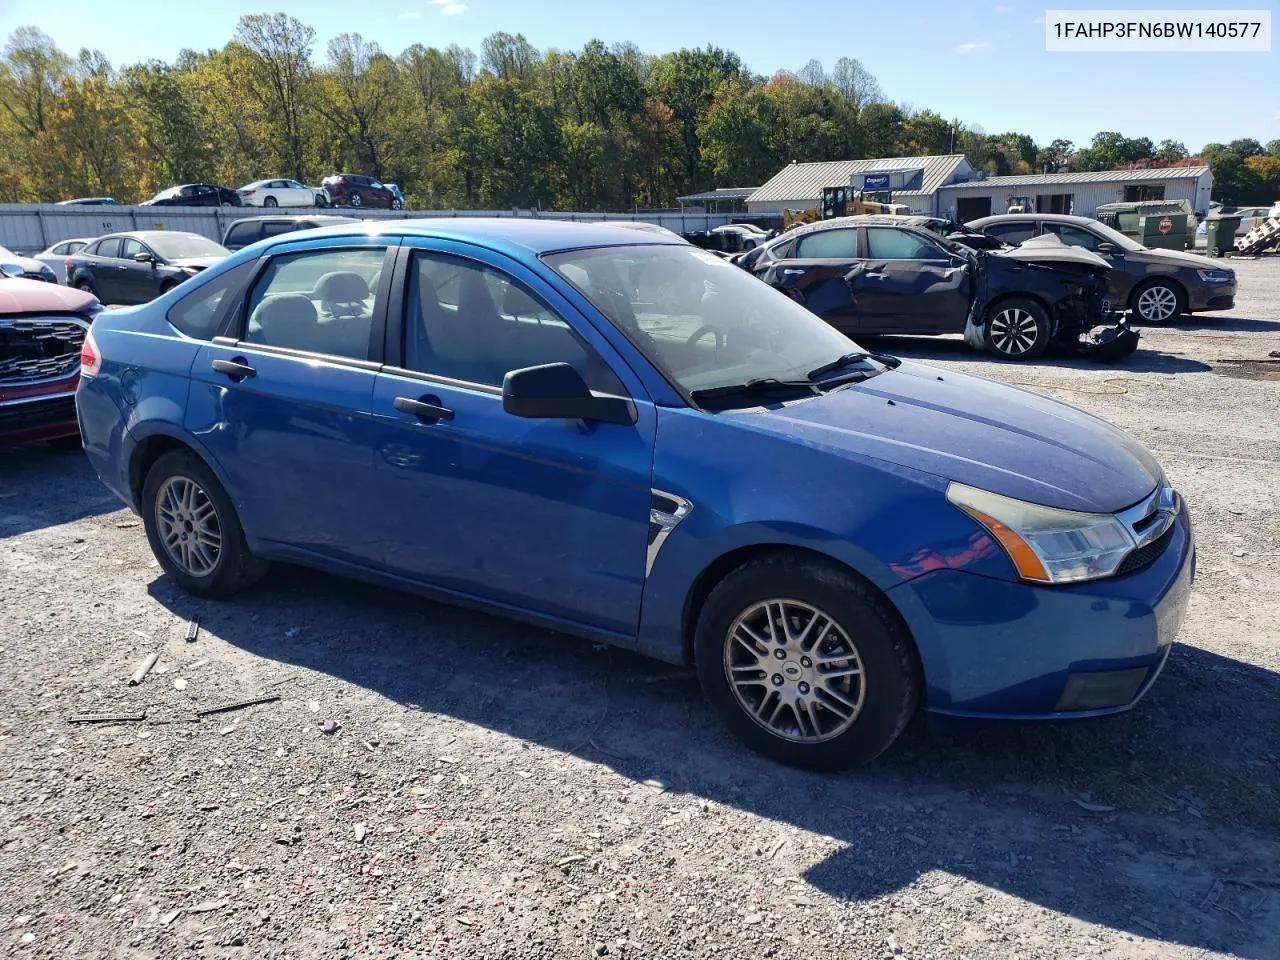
{"points": [[66, 263], [90, 359], [246, 193]]}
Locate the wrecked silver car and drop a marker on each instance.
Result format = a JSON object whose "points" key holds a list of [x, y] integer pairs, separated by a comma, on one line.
{"points": [[878, 275]]}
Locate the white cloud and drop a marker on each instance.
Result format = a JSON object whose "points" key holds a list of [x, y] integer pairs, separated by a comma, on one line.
{"points": [[969, 47], [1001, 9], [411, 15], [450, 8]]}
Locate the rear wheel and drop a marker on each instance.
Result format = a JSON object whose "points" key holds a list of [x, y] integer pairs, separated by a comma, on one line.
{"points": [[193, 528], [356, 199], [86, 286], [270, 202], [1017, 329], [1158, 302], [804, 663]]}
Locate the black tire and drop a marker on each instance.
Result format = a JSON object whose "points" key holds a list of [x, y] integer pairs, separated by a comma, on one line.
{"points": [[235, 568], [86, 286], [322, 201], [888, 681], [356, 200], [396, 204], [270, 202], [1152, 301], [1016, 329]]}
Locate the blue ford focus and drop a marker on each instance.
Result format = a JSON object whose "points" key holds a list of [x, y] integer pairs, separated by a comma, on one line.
{"points": [[620, 436]]}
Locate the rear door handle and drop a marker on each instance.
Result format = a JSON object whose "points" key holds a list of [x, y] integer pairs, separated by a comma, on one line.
{"points": [[874, 276], [428, 408], [237, 369], [791, 271]]}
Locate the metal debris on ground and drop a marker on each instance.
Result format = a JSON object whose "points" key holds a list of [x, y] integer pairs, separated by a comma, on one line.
{"points": [[107, 717], [179, 683], [331, 727], [143, 669], [235, 705], [193, 629]]}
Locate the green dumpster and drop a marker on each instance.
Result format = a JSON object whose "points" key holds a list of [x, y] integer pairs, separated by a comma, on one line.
{"points": [[1167, 224], [1221, 233]]}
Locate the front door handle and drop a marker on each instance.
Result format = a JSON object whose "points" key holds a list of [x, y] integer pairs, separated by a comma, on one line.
{"points": [[792, 271], [237, 369], [427, 408], [874, 276]]}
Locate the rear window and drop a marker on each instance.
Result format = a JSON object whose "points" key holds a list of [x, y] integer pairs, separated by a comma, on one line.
{"points": [[201, 313]]}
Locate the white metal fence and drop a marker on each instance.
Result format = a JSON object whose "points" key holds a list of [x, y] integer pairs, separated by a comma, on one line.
{"points": [[30, 228]]}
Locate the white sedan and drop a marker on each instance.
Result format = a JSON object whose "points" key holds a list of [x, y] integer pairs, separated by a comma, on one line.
{"points": [[280, 193], [56, 256]]}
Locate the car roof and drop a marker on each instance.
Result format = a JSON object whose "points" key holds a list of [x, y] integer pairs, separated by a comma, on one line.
{"points": [[149, 235], [317, 217], [1016, 217], [525, 235]]}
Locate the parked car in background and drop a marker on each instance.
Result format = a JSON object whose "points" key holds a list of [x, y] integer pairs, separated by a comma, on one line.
{"points": [[55, 256], [356, 190], [1156, 285], [137, 266], [874, 274], [504, 391], [397, 193], [194, 195], [89, 202], [1251, 216], [42, 329], [281, 193], [252, 229], [14, 265]]}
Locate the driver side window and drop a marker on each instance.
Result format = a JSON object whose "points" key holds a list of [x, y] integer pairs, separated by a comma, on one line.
{"points": [[468, 321], [1073, 236]]}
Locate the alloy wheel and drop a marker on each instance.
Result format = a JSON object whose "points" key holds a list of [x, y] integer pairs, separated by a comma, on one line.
{"points": [[1013, 331], [188, 525], [794, 670], [1157, 304]]}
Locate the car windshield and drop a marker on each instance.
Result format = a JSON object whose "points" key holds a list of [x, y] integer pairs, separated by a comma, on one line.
{"points": [[176, 246], [704, 323], [1114, 236]]}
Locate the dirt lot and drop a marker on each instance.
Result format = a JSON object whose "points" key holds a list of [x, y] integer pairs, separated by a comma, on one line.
{"points": [[500, 791]]}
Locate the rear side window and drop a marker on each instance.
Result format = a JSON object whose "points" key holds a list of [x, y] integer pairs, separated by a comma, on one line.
{"points": [[1012, 233], [109, 247], [243, 234], [204, 312], [885, 243], [829, 244], [321, 301], [273, 228], [75, 246]]}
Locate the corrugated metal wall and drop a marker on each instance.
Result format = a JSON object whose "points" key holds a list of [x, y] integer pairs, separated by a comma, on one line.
{"points": [[30, 228], [1086, 197]]}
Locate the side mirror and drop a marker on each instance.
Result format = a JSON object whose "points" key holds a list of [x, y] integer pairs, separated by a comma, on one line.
{"points": [[144, 257], [11, 269], [1106, 248], [556, 391]]}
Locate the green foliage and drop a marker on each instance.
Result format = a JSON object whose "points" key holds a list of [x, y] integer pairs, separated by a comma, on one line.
{"points": [[602, 128]]}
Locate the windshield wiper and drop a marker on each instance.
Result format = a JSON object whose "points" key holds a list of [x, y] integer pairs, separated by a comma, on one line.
{"points": [[838, 363], [755, 386]]}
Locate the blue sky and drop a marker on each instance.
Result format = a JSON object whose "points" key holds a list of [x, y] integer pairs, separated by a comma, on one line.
{"points": [[983, 62]]}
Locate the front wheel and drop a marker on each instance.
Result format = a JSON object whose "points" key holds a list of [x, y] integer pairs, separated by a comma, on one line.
{"points": [[193, 528], [804, 663], [356, 199], [396, 204], [1017, 329], [1158, 302], [86, 286]]}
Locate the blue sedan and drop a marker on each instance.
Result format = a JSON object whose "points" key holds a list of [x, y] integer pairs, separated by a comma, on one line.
{"points": [[620, 436]]}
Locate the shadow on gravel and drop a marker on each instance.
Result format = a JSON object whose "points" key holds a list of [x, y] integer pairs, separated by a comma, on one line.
{"points": [[927, 348], [1211, 322], [1141, 823], [43, 486]]}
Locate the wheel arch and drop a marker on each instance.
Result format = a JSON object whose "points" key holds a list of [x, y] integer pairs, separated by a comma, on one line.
{"points": [[723, 565], [1179, 287], [150, 446]]}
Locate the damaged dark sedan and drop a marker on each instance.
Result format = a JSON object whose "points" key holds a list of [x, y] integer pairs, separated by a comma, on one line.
{"points": [[878, 275]]}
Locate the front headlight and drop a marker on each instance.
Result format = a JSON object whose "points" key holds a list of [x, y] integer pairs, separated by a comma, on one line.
{"points": [[1045, 544], [1216, 276]]}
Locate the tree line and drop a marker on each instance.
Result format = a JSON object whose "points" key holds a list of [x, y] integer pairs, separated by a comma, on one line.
{"points": [[601, 128]]}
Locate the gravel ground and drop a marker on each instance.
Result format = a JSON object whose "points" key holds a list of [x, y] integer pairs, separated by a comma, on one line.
{"points": [[493, 790]]}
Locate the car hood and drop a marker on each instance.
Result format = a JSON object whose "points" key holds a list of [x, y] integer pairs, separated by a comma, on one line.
{"points": [[985, 434], [1175, 258], [199, 263], [30, 264], [19, 295], [1049, 249]]}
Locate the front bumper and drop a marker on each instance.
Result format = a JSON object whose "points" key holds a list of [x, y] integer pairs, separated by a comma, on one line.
{"points": [[994, 649], [1216, 296], [35, 414]]}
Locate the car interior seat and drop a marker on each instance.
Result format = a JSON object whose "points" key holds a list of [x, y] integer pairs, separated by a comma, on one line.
{"points": [[286, 320]]}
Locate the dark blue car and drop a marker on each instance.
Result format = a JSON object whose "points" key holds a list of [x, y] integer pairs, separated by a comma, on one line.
{"points": [[624, 437]]}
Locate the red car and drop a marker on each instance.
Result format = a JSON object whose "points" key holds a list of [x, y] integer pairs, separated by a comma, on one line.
{"points": [[42, 328], [356, 190]]}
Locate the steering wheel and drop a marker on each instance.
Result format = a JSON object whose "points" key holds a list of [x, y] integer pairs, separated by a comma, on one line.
{"points": [[702, 331]]}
